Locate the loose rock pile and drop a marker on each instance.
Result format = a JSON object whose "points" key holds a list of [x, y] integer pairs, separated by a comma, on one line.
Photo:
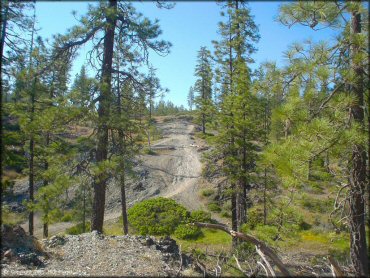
{"points": [[92, 254], [18, 247]]}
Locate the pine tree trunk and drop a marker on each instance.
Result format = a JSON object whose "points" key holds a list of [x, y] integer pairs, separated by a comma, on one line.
{"points": [[266, 127], [31, 186], [265, 198], [203, 101], [203, 123], [45, 183], [123, 204], [103, 116], [84, 210], [4, 22], [358, 178], [46, 230], [122, 149], [31, 174], [32, 142], [242, 190], [234, 217]]}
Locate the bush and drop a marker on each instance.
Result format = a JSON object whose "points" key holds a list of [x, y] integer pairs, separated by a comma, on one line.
{"points": [[317, 205], [266, 233], [67, 217], [200, 216], [225, 214], [11, 218], [158, 216], [255, 217], [207, 192], [290, 218], [78, 229], [149, 151], [214, 207], [188, 232]]}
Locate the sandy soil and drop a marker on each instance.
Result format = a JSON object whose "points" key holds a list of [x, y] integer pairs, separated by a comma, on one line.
{"points": [[179, 166], [174, 171]]}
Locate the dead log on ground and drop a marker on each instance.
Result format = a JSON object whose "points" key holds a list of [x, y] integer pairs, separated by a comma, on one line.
{"points": [[267, 251]]}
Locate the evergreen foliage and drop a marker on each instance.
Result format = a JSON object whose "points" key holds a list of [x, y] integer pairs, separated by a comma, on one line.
{"points": [[158, 216]]}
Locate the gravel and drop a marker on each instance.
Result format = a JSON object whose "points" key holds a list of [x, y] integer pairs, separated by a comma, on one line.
{"points": [[93, 254]]}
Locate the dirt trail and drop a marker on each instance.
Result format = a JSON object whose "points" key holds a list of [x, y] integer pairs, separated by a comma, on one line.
{"points": [[179, 165], [173, 171]]}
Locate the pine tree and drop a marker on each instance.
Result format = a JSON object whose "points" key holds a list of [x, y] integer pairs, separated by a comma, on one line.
{"points": [[238, 106], [203, 85], [321, 110], [191, 98], [268, 86], [114, 19], [15, 23]]}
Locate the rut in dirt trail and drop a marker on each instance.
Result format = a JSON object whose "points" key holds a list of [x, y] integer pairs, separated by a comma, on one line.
{"points": [[180, 166], [174, 171]]}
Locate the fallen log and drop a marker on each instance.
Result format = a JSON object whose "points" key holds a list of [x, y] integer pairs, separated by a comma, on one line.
{"points": [[267, 251], [336, 270]]}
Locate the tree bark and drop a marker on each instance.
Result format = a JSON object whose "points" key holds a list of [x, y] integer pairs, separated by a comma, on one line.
{"points": [[122, 150], [84, 210], [203, 100], [243, 184], [31, 174], [265, 198], [45, 183], [234, 214], [123, 204], [46, 230], [31, 186], [358, 177], [3, 30], [100, 179], [32, 142]]}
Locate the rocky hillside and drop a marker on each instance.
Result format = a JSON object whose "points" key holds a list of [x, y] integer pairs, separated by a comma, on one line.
{"points": [[91, 254]]}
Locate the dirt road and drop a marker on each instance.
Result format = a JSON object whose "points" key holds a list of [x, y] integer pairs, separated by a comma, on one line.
{"points": [[179, 165], [173, 172]]}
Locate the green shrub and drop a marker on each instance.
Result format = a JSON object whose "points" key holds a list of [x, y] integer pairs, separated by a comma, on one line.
{"points": [[289, 217], [200, 216], [225, 214], [317, 205], [78, 229], [11, 218], [207, 192], [149, 151], [67, 217], [255, 217], [214, 207], [303, 225], [188, 232], [157, 216], [266, 233]]}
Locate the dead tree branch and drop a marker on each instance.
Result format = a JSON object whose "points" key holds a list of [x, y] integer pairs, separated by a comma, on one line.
{"points": [[336, 270], [266, 262], [261, 245]]}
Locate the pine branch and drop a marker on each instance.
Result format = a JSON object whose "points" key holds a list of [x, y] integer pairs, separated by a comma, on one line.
{"points": [[322, 106]]}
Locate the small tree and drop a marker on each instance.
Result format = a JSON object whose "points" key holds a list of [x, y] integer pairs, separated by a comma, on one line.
{"points": [[191, 98]]}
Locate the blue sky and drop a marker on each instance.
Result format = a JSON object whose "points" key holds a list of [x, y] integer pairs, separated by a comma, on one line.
{"points": [[188, 26]]}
